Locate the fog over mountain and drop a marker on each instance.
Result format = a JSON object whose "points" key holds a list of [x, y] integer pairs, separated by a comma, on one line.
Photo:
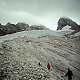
{"points": [[45, 12]]}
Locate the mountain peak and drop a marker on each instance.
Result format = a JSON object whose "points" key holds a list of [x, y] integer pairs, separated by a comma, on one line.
{"points": [[62, 22]]}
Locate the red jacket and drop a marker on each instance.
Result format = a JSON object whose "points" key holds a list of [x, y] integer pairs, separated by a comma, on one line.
{"points": [[49, 66]]}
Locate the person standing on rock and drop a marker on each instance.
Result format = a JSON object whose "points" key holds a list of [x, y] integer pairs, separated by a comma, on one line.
{"points": [[49, 66], [69, 74]]}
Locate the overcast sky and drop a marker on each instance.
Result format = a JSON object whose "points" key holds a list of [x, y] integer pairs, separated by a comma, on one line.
{"points": [[46, 12]]}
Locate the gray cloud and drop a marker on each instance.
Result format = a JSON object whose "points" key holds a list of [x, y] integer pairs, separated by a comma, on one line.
{"points": [[46, 12]]}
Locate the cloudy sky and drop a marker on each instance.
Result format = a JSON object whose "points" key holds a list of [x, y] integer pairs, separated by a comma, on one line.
{"points": [[45, 12]]}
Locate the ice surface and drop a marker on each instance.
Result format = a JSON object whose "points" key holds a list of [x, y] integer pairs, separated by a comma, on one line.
{"points": [[34, 33]]}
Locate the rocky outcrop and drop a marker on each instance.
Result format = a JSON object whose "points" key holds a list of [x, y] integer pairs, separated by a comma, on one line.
{"points": [[8, 29], [22, 26], [38, 27], [62, 22], [3, 30], [13, 28]]}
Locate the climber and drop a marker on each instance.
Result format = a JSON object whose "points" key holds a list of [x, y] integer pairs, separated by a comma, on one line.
{"points": [[49, 66], [69, 74]]}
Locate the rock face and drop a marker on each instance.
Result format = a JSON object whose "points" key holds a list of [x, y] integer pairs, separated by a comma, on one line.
{"points": [[22, 26], [13, 28], [10, 28], [62, 22], [3, 30], [38, 27]]}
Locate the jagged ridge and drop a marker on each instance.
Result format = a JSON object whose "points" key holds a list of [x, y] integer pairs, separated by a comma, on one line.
{"points": [[62, 22], [13, 28]]}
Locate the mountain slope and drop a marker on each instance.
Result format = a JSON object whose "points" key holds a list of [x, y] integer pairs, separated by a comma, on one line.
{"points": [[19, 58]]}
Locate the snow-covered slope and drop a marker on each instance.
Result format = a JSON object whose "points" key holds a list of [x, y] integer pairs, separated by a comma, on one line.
{"points": [[34, 33]]}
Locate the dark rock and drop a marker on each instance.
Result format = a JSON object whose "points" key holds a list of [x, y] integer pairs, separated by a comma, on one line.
{"points": [[12, 28], [1, 53], [22, 26], [3, 30], [38, 27], [62, 22]]}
